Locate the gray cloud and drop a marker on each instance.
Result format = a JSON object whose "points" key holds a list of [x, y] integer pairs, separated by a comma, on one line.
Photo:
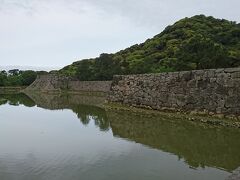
{"points": [[57, 32]]}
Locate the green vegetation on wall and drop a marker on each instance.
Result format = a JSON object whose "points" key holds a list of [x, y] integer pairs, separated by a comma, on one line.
{"points": [[198, 42]]}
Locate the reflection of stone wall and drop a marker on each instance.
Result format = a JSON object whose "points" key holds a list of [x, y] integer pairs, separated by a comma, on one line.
{"points": [[86, 108], [52, 82], [198, 144], [216, 90], [58, 101]]}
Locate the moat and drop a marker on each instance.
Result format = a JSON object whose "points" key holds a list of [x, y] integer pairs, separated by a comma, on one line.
{"points": [[59, 137]]}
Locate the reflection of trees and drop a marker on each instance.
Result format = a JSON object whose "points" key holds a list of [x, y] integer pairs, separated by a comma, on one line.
{"points": [[87, 113], [199, 145], [16, 100], [86, 107], [3, 101]]}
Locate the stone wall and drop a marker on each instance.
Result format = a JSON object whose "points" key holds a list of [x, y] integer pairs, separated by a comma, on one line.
{"points": [[99, 86], [53, 82], [49, 82], [214, 91]]}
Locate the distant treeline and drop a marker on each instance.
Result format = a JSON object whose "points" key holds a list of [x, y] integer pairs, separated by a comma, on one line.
{"points": [[198, 42], [16, 77]]}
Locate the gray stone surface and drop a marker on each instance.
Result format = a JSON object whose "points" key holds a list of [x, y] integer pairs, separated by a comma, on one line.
{"points": [[214, 91], [53, 82]]}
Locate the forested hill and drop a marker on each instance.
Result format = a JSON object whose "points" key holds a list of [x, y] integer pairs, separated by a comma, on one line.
{"points": [[198, 42]]}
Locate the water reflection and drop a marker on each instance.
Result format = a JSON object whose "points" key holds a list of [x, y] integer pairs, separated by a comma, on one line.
{"points": [[16, 99], [86, 113], [82, 106], [198, 145]]}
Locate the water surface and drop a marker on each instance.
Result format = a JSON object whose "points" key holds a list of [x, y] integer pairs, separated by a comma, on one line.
{"points": [[53, 137]]}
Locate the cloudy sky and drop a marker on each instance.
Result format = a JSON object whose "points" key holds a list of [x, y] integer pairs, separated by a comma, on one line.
{"points": [[58, 32]]}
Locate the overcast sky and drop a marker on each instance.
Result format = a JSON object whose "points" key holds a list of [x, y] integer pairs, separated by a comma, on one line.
{"points": [[58, 32]]}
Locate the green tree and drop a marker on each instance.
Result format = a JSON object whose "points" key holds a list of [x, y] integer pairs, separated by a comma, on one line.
{"points": [[198, 42], [28, 77], [3, 78], [14, 72], [201, 53]]}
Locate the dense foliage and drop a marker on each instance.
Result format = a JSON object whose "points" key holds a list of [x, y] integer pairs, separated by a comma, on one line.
{"points": [[193, 43], [16, 77]]}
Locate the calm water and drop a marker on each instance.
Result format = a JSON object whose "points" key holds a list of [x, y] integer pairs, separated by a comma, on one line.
{"points": [[71, 138]]}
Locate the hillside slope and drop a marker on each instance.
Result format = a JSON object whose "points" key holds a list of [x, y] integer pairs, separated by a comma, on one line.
{"points": [[198, 42]]}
